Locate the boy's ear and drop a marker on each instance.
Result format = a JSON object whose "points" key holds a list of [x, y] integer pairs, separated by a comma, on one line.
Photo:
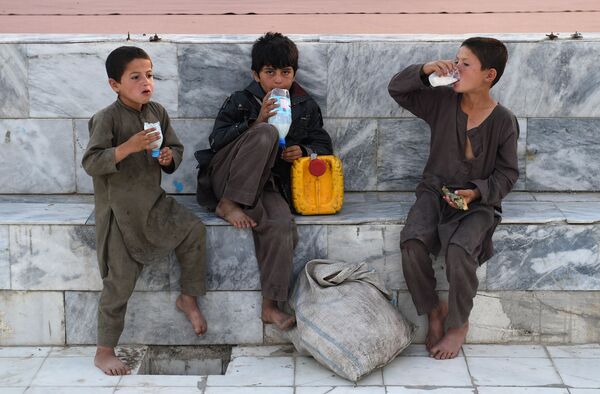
{"points": [[491, 75], [114, 85], [255, 76]]}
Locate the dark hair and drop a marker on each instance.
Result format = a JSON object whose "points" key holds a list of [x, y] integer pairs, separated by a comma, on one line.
{"points": [[274, 49], [118, 60], [491, 53]]}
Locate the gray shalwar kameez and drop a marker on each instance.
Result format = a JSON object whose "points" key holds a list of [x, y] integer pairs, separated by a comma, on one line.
{"points": [[432, 226], [136, 222]]}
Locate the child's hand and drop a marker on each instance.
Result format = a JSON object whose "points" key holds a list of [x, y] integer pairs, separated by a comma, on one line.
{"points": [[267, 109], [291, 153], [166, 157], [468, 195], [440, 67], [142, 140]]}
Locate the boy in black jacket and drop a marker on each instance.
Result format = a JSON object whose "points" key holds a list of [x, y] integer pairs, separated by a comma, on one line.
{"points": [[249, 175]]}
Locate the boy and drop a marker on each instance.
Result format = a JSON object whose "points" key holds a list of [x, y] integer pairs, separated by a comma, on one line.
{"points": [[136, 223], [249, 175], [473, 151]]}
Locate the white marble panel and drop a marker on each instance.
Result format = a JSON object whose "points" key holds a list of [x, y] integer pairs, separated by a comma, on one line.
{"points": [[70, 390], [31, 318], [38, 156], [256, 372], [416, 371], [522, 390], [161, 381], [513, 371], [34, 213], [70, 80], [551, 257], [578, 372], [589, 350], [14, 96], [263, 351], [233, 317], [310, 373], [360, 90], [354, 142], [563, 87], [583, 212], [59, 372], [54, 258], [18, 372], [4, 258], [25, 352], [415, 390], [248, 390], [82, 138], [342, 390], [193, 134], [569, 317], [507, 351], [562, 154]]}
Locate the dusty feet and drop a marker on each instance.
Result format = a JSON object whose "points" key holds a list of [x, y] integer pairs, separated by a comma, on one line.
{"points": [[188, 305], [109, 363], [437, 317], [450, 344], [273, 315], [231, 211]]}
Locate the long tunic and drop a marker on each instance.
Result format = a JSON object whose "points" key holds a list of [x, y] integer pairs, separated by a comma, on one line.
{"points": [[151, 223], [493, 170]]}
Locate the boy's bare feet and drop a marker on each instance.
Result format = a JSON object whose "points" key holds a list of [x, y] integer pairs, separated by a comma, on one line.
{"points": [[437, 317], [232, 212], [450, 344], [109, 363], [188, 305], [273, 315]]}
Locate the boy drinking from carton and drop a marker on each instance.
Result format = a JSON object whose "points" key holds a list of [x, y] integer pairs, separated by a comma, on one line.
{"points": [[249, 176], [472, 165], [136, 223]]}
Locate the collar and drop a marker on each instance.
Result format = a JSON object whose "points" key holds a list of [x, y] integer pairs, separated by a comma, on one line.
{"points": [[128, 108]]}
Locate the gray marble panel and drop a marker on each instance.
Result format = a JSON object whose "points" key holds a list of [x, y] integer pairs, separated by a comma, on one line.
{"points": [[82, 138], [37, 155], [193, 134], [569, 316], [582, 212], [355, 143], [562, 87], [359, 73], [562, 154], [312, 244], [32, 318], [567, 197], [403, 149], [14, 96], [70, 80], [152, 318], [312, 71], [44, 213], [4, 258], [522, 155], [531, 212], [551, 257]]}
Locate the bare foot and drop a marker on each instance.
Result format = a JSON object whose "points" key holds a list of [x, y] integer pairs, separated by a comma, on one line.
{"points": [[273, 315], [437, 317], [188, 305], [109, 363], [450, 344], [232, 212]]}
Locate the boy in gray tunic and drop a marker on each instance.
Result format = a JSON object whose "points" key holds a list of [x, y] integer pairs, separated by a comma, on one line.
{"points": [[136, 223], [473, 151]]}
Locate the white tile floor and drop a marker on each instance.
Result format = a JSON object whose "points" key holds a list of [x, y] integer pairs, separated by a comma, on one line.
{"points": [[480, 369]]}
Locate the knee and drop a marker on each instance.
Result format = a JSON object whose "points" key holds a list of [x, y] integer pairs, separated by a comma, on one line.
{"points": [[264, 134], [412, 250]]}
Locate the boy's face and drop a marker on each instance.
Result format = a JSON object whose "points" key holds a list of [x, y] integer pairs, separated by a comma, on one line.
{"points": [[472, 77], [137, 83], [270, 78]]}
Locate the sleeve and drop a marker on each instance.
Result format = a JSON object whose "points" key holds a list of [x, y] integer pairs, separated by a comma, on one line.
{"points": [[229, 124], [170, 139], [99, 156], [410, 88], [506, 171], [317, 139]]}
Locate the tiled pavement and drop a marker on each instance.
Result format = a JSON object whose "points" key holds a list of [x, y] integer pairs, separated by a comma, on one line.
{"points": [[480, 369]]}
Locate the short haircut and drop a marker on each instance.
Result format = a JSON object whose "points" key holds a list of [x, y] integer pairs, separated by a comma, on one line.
{"points": [[491, 53], [118, 60], [274, 49]]}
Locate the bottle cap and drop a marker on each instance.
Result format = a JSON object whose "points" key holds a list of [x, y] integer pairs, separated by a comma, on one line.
{"points": [[317, 167], [155, 152]]}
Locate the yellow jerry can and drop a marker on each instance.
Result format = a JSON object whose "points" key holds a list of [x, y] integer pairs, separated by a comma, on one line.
{"points": [[317, 185]]}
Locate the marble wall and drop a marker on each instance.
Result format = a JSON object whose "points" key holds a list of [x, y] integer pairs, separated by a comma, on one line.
{"points": [[50, 87]]}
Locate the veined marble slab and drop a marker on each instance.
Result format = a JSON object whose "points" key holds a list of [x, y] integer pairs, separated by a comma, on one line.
{"points": [[581, 212], [152, 318], [82, 138], [37, 156], [54, 67], [32, 318], [4, 258], [569, 316], [557, 257], [19, 213], [14, 96], [562, 154], [531, 212], [567, 197], [522, 155], [354, 142]]}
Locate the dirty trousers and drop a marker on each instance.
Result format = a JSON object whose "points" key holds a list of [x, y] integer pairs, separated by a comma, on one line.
{"points": [[121, 272], [241, 172]]}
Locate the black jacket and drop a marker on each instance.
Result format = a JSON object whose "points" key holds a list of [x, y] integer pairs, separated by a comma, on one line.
{"points": [[241, 109]]}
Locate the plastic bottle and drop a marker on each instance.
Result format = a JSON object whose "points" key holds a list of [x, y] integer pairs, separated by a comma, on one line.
{"points": [[282, 120], [156, 145], [441, 80]]}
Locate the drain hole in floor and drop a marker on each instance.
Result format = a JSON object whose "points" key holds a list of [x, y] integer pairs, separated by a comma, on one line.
{"points": [[186, 360]]}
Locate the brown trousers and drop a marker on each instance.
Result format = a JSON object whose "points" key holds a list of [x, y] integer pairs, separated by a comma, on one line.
{"points": [[122, 272], [241, 172]]}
